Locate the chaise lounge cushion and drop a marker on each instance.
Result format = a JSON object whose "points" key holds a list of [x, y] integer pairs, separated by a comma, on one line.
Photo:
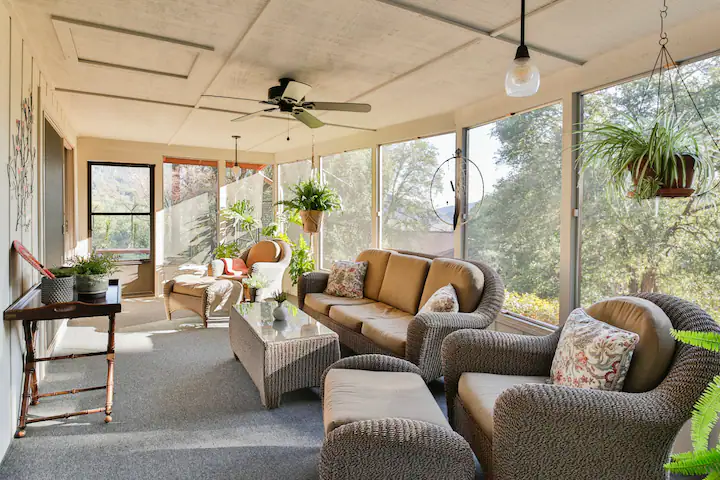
{"points": [[377, 263], [265, 251], [192, 285], [354, 395], [480, 391], [404, 280], [321, 302], [353, 316], [656, 348], [390, 333], [467, 279]]}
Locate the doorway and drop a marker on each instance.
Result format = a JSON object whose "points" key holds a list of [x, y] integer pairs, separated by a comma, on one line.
{"points": [[54, 196]]}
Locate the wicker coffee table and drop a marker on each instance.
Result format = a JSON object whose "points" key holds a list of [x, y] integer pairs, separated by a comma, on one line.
{"points": [[281, 356]]}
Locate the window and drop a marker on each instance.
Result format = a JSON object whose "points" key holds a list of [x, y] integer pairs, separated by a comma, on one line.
{"points": [[516, 227], [290, 174], [190, 190], [659, 245], [121, 210], [253, 183], [408, 220], [347, 233]]}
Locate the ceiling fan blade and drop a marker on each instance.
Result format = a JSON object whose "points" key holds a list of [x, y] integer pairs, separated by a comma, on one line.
{"points": [[296, 91], [250, 115], [307, 118], [234, 98], [338, 106]]}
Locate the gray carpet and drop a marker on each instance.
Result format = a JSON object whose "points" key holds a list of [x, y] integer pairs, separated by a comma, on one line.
{"points": [[184, 408]]}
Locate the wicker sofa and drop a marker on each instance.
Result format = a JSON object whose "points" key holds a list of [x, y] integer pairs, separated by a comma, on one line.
{"points": [[520, 427], [397, 284]]}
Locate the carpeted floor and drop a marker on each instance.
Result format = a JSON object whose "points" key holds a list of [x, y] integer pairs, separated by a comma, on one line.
{"points": [[184, 409]]}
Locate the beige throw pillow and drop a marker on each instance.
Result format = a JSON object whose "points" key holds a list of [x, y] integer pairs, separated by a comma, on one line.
{"points": [[347, 279], [443, 300]]}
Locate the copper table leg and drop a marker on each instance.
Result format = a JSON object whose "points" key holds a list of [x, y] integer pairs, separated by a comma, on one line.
{"points": [[28, 328], [111, 369]]}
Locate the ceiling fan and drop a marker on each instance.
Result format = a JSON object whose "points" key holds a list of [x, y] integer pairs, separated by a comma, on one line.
{"points": [[289, 97]]}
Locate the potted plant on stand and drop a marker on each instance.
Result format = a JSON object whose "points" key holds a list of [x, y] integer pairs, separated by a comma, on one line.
{"points": [[660, 157], [252, 284], [92, 273], [311, 199], [60, 288]]}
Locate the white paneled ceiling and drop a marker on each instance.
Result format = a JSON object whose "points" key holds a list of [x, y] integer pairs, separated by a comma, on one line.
{"points": [[408, 58]]}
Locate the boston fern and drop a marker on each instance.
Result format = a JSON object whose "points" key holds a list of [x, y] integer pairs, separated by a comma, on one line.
{"points": [[312, 195], [701, 461]]}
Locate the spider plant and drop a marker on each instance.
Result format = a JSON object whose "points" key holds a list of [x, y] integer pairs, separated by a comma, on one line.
{"points": [[646, 156], [312, 195], [703, 460]]}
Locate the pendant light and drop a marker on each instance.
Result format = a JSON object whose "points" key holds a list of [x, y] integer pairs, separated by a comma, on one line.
{"points": [[236, 165], [523, 77]]}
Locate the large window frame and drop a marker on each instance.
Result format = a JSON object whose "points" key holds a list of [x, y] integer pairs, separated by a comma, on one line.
{"points": [[150, 214]]}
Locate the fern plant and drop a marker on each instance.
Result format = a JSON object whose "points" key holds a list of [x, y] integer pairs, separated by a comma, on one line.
{"points": [[703, 460], [312, 195]]}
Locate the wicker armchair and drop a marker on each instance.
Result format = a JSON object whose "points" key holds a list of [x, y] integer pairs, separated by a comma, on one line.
{"points": [[550, 431], [426, 331]]}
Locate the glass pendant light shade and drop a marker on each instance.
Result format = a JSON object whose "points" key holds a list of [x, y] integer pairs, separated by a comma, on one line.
{"points": [[523, 77]]}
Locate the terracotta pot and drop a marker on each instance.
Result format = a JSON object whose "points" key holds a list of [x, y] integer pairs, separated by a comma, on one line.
{"points": [[682, 187], [312, 220]]}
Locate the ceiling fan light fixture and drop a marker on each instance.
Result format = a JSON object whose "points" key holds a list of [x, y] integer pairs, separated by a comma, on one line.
{"points": [[523, 76]]}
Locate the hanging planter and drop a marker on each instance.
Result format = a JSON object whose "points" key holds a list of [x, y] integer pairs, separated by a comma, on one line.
{"points": [[311, 199], [312, 220], [680, 187]]}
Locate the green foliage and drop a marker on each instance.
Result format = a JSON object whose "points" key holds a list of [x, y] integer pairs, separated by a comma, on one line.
{"points": [[279, 296], [705, 415], [312, 194], [701, 462], [302, 260], [227, 250], [532, 306], [256, 281], [241, 214], [707, 340], [634, 148], [95, 264], [62, 272]]}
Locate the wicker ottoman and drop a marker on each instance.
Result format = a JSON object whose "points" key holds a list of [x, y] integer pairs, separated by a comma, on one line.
{"points": [[382, 422], [202, 295]]}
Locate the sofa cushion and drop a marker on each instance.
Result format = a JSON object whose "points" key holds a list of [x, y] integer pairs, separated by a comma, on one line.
{"points": [[355, 395], [265, 251], [388, 333], [479, 391], [403, 283], [444, 300], [347, 279], [377, 263], [656, 347], [467, 279], [192, 285], [353, 316], [321, 302]]}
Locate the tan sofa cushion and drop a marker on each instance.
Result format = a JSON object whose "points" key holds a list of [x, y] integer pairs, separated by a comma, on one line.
{"points": [[321, 302], [265, 251], [403, 283], [390, 334], [656, 348], [377, 263], [354, 395], [480, 391], [353, 316], [192, 285], [467, 279]]}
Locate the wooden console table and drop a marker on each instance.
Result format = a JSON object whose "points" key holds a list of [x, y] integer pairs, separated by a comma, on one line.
{"points": [[30, 310]]}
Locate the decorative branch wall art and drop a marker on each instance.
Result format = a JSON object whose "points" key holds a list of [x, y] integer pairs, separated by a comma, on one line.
{"points": [[21, 165]]}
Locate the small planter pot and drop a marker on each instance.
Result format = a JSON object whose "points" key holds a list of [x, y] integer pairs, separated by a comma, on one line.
{"points": [[312, 220], [249, 293], [682, 187], [280, 313], [91, 284], [57, 290]]}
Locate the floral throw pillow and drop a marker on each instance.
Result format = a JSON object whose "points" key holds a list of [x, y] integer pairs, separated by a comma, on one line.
{"points": [[592, 354], [443, 300], [347, 279]]}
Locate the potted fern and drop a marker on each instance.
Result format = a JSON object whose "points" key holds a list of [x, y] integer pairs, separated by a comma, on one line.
{"points": [[662, 156], [703, 460], [311, 199]]}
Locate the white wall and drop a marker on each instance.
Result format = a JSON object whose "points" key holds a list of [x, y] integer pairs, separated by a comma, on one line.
{"points": [[20, 74]]}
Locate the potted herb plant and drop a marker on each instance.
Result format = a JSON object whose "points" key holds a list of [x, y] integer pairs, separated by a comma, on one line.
{"points": [[252, 284], [60, 288], [662, 156], [311, 199], [280, 312], [92, 273]]}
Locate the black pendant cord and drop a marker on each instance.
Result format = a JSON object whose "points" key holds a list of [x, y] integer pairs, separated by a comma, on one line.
{"points": [[522, 22]]}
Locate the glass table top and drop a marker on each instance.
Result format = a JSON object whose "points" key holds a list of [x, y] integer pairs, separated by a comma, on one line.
{"points": [[297, 326]]}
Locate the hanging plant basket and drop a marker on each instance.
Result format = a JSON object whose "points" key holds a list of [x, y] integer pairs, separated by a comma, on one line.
{"points": [[312, 220], [678, 188]]}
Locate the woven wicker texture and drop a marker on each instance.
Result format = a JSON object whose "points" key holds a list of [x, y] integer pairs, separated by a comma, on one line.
{"points": [[551, 431], [426, 331]]}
